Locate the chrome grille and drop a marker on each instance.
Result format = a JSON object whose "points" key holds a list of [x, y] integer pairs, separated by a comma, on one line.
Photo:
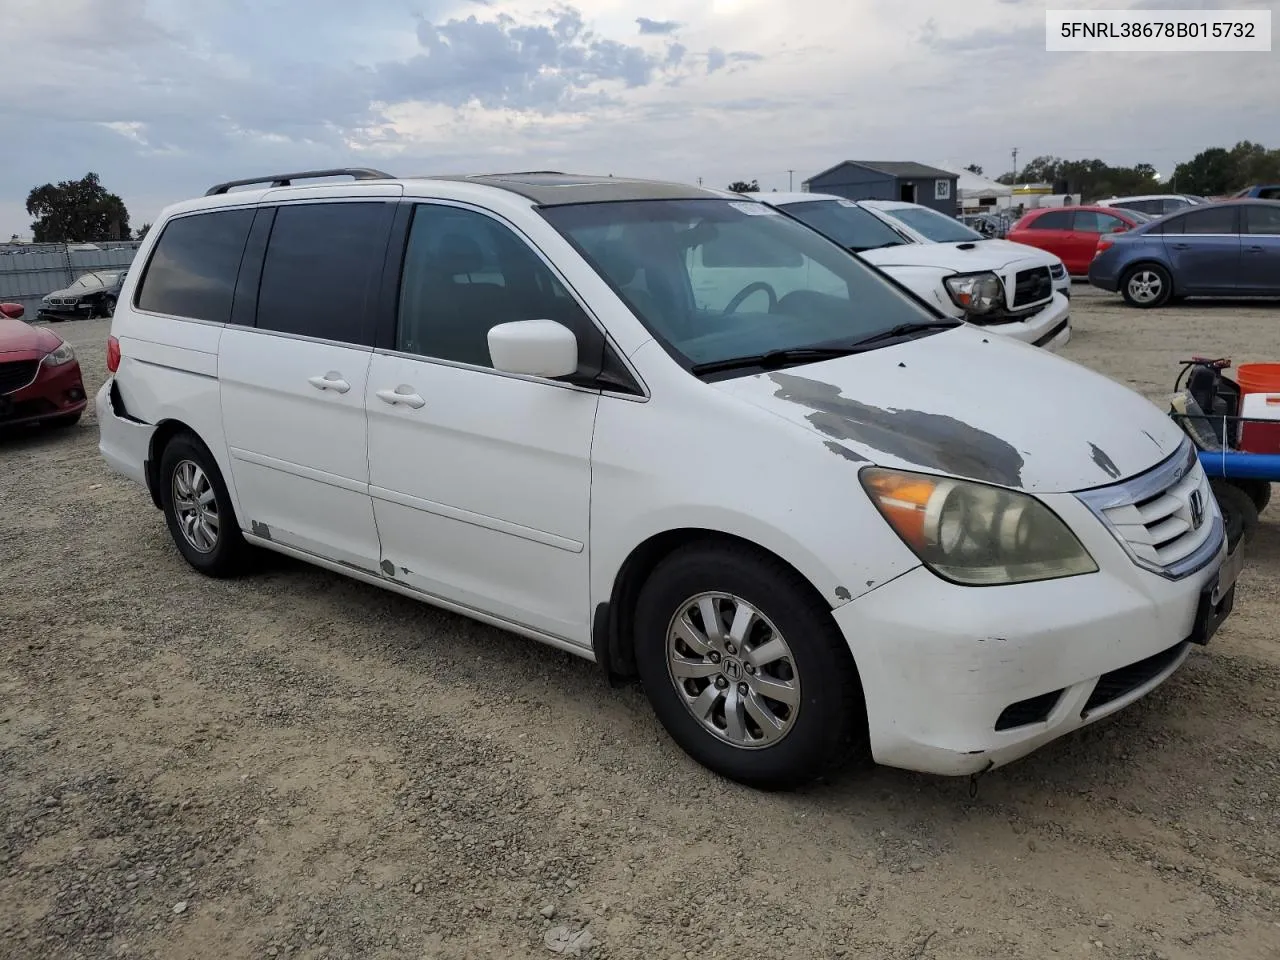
{"points": [[1167, 518]]}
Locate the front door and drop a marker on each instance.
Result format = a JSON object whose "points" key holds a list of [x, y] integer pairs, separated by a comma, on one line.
{"points": [[293, 384], [1260, 250], [1204, 248], [481, 481]]}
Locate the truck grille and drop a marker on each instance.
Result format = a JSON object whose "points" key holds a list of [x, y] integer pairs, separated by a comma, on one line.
{"points": [[1031, 286], [1167, 518], [17, 374]]}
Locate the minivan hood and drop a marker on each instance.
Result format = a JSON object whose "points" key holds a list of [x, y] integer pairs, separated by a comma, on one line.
{"points": [[968, 257], [967, 404]]}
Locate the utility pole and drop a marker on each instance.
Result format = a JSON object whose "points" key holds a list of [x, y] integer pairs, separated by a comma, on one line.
{"points": [[791, 180], [1015, 164], [699, 181]]}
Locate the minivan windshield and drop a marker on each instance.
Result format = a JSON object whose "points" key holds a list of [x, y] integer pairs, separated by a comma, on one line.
{"points": [[938, 227], [718, 280], [845, 222]]}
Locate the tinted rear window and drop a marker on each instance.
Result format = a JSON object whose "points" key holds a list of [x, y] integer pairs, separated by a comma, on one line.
{"points": [[192, 272], [321, 270], [1053, 220]]}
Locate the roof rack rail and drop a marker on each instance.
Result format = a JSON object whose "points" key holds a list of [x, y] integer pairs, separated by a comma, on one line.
{"points": [[286, 179]]}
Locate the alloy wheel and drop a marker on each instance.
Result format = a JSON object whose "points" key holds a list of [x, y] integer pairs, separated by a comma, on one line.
{"points": [[734, 670], [196, 506]]}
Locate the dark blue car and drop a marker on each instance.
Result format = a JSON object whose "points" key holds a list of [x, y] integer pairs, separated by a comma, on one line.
{"points": [[1229, 249]]}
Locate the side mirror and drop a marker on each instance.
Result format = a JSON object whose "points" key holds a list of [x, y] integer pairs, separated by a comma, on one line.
{"points": [[534, 348], [14, 311]]}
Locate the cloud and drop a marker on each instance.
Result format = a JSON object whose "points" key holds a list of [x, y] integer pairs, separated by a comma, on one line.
{"points": [[657, 27], [162, 103]]}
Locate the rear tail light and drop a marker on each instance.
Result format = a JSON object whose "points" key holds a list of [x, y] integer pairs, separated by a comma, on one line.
{"points": [[1103, 246], [113, 354]]}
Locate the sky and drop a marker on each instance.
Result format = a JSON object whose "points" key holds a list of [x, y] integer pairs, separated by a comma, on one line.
{"points": [[163, 98]]}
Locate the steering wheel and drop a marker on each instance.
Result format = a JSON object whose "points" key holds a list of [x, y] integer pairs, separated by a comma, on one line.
{"points": [[747, 291]]}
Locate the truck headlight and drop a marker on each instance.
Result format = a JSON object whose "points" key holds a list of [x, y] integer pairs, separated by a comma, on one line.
{"points": [[975, 534], [976, 292]]}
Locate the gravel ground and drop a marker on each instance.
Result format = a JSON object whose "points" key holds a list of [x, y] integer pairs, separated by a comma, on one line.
{"points": [[297, 765]]}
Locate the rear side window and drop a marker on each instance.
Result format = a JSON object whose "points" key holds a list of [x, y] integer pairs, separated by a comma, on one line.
{"points": [[192, 272], [1269, 193], [1091, 221], [1053, 220], [322, 268], [1209, 220]]}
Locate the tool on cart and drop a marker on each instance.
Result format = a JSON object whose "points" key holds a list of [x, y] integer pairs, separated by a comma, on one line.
{"points": [[1236, 426]]}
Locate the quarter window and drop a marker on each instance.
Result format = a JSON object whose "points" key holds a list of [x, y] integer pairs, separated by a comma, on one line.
{"points": [[465, 273], [192, 272], [321, 270]]}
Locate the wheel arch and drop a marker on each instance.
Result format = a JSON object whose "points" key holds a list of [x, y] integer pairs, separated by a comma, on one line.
{"points": [[612, 628], [164, 432]]}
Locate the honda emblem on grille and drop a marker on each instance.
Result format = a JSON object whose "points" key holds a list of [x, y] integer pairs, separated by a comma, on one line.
{"points": [[1197, 510]]}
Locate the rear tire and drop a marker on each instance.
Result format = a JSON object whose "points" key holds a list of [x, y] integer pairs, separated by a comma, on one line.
{"points": [[1146, 286], [1239, 512], [770, 697], [198, 509]]}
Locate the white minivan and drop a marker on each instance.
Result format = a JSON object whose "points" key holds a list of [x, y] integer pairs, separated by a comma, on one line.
{"points": [[821, 522], [1009, 288]]}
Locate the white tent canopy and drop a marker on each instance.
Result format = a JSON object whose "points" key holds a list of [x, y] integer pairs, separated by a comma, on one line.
{"points": [[970, 186]]}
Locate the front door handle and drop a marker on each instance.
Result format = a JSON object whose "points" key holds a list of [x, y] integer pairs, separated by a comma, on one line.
{"points": [[403, 394], [1256, 249], [1182, 246], [330, 381]]}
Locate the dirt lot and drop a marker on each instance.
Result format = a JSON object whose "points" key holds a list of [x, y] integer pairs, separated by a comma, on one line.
{"points": [[300, 766]]}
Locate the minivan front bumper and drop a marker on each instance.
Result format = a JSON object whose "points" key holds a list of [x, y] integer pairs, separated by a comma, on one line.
{"points": [[959, 680]]}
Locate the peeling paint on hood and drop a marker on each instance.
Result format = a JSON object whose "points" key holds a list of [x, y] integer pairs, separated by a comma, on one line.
{"points": [[967, 404]]}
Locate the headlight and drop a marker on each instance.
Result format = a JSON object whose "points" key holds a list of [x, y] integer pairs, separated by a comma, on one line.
{"points": [[974, 534], [976, 292], [64, 354]]}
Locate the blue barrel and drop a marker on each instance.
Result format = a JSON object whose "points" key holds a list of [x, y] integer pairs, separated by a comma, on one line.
{"points": [[1241, 466]]}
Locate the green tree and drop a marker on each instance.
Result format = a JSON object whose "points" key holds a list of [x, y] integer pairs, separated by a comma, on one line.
{"points": [[741, 186], [77, 210], [141, 232]]}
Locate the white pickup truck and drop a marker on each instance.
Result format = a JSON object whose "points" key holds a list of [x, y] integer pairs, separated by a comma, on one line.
{"points": [[1009, 288]]}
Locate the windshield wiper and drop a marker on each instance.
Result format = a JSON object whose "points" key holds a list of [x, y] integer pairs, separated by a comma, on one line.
{"points": [[774, 359], [877, 246], [905, 330]]}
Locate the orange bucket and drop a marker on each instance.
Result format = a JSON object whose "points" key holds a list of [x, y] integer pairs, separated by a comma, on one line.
{"points": [[1258, 377]]}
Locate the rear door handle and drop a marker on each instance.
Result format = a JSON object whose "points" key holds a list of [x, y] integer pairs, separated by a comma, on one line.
{"points": [[330, 381], [403, 394], [1182, 246], [1256, 249]]}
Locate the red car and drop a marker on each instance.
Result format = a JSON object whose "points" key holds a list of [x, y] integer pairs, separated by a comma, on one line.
{"points": [[39, 375], [1072, 233]]}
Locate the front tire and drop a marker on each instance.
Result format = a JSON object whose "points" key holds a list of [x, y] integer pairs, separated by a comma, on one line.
{"points": [[1239, 513], [1146, 286], [198, 509], [746, 669]]}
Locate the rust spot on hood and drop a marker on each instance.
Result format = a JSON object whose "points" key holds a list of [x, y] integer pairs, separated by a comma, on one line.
{"points": [[930, 440]]}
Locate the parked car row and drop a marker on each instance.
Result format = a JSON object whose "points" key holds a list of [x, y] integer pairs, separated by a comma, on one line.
{"points": [[817, 516]]}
